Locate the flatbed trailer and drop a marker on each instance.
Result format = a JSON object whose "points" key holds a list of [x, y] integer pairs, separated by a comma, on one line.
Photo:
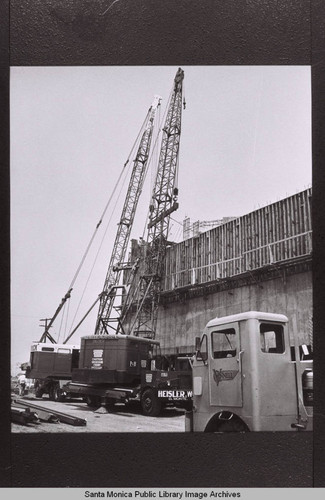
{"points": [[158, 389]]}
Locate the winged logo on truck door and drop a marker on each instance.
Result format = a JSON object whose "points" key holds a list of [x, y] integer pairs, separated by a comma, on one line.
{"points": [[222, 375]]}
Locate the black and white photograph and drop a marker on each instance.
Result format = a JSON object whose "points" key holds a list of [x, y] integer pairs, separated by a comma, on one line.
{"points": [[161, 249]]}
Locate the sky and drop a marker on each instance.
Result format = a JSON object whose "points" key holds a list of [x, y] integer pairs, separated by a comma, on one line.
{"points": [[245, 143]]}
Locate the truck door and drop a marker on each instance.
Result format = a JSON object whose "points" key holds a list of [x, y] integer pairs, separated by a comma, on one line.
{"points": [[225, 385], [200, 373]]}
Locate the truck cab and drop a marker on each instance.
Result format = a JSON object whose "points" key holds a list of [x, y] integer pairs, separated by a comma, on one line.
{"points": [[244, 377], [51, 365]]}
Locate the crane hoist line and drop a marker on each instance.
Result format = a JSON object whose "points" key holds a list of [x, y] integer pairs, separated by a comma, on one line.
{"points": [[137, 178], [163, 203]]}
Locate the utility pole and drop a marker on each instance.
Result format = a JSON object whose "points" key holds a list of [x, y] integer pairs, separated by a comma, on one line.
{"points": [[47, 325]]}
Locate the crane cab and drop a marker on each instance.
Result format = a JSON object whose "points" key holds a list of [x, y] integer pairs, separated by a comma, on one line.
{"points": [[52, 360]]}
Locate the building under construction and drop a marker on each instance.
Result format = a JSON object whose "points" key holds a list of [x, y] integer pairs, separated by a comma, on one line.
{"points": [[260, 261]]}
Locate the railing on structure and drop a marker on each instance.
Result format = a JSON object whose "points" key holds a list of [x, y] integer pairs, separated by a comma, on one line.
{"points": [[284, 249]]}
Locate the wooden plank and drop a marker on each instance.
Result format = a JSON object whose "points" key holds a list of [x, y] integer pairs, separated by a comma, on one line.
{"points": [[23, 415], [301, 207], [63, 417], [245, 243], [260, 236], [43, 415], [287, 225], [277, 233], [254, 239], [262, 239], [293, 226]]}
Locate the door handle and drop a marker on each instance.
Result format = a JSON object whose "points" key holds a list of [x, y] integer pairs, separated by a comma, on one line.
{"points": [[239, 356]]}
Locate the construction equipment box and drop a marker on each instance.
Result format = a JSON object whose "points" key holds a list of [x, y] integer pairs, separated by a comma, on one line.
{"points": [[116, 359]]}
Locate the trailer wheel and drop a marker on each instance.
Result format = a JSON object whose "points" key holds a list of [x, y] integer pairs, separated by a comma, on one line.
{"points": [[151, 406], [93, 401]]}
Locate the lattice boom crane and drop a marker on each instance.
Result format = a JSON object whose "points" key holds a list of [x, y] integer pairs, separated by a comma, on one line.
{"points": [[163, 203], [116, 264]]}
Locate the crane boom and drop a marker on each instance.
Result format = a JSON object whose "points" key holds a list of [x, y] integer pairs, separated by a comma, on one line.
{"points": [[116, 264], [163, 203]]}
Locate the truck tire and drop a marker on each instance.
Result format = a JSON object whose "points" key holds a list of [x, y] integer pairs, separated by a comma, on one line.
{"points": [[38, 392], [51, 393], [151, 406], [93, 401], [231, 424], [57, 394], [21, 390]]}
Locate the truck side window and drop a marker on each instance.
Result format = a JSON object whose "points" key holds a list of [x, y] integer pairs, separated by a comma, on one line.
{"points": [[272, 340], [224, 343]]}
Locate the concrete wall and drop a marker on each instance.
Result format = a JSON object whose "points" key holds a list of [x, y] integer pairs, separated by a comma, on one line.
{"points": [[179, 322]]}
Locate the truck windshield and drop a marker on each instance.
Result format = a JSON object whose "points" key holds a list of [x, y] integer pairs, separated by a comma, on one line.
{"points": [[224, 343]]}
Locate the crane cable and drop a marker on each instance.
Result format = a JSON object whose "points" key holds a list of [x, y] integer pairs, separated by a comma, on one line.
{"points": [[132, 291], [109, 221], [96, 256], [64, 320], [107, 205], [154, 173], [68, 294], [60, 328]]}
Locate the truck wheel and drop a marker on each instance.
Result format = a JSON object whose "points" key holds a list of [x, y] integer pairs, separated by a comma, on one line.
{"points": [[51, 393], [38, 392], [188, 406], [57, 394], [21, 390], [93, 401], [151, 406]]}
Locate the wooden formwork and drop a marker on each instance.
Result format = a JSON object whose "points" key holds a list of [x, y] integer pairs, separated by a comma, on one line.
{"points": [[275, 233]]}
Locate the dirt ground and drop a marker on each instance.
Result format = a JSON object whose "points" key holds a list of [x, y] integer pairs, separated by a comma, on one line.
{"points": [[118, 418]]}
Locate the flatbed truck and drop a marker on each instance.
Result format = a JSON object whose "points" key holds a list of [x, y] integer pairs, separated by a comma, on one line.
{"points": [[109, 369]]}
